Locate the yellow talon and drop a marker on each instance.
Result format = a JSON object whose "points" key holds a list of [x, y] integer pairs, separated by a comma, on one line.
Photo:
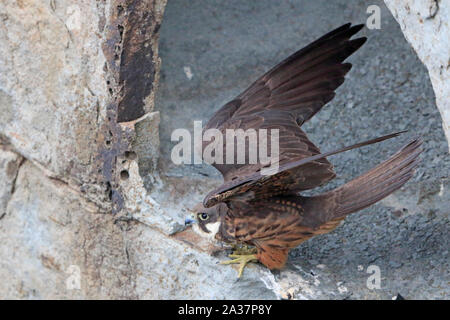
{"points": [[242, 259]]}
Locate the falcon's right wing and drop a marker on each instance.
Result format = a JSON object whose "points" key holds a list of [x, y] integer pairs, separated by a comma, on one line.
{"points": [[285, 97], [301, 84]]}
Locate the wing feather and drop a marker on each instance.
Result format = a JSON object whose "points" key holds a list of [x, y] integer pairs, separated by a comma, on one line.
{"points": [[284, 98], [290, 178]]}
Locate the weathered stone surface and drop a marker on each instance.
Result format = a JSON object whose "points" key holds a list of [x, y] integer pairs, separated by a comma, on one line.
{"points": [[131, 50], [169, 269], [9, 166], [53, 91], [49, 234], [65, 68], [69, 71], [146, 144], [426, 26]]}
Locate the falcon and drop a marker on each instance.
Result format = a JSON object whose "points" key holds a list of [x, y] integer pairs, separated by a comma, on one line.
{"points": [[264, 216]]}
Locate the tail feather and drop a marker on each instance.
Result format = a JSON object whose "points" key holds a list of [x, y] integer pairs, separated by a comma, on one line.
{"points": [[368, 188], [376, 184]]}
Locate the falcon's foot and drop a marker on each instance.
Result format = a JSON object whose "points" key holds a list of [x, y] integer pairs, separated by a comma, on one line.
{"points": [[242, 256]]}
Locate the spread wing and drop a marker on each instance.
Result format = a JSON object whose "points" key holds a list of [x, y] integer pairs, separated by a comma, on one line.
{"points": [[290, 178], [293, 145], [301, 84], [284, 98]]}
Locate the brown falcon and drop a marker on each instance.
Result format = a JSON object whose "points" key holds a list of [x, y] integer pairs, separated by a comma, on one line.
{"points": [[267, 212]]}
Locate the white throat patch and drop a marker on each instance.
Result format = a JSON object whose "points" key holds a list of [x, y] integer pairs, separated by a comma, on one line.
{"points": [[213, 228]]}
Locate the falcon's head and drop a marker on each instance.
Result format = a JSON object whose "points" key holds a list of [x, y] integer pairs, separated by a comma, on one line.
{"points": [[206, 221]]}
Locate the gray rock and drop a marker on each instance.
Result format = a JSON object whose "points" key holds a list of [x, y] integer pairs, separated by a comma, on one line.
{"points": [[425, 26], [54, 244], [53, 93], [9, 166], [50, 236]]}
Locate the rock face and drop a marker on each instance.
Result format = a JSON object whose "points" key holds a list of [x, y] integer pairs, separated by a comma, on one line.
{"points": [[55, 245], [9, 166], [89, 208], [70, 72], [53, 91], [426, 26], [77, 84]]}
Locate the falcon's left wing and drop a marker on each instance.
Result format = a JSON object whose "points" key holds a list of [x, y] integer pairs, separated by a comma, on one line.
{"points": [[290, 179]]}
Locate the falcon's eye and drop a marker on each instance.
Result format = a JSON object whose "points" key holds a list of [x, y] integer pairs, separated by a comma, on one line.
{"points": [[203, 216]]}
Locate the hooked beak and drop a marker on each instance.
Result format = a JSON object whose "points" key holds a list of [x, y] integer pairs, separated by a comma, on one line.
{"points": [[189, 220]]}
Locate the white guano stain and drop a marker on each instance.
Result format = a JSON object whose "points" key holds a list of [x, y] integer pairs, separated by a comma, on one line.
{"points": [[188, 72]]}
